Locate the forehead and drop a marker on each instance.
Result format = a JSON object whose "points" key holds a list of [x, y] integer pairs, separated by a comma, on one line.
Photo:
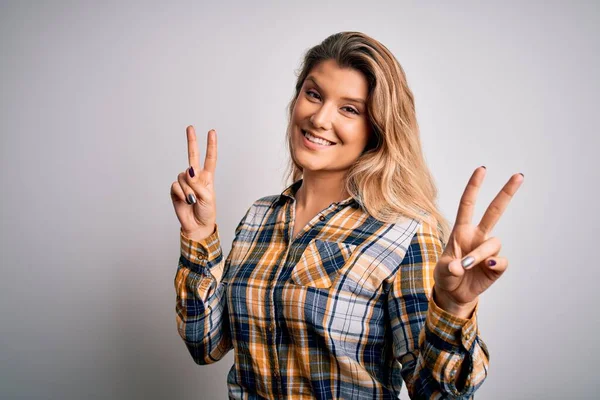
{"points": [[327, 75]]}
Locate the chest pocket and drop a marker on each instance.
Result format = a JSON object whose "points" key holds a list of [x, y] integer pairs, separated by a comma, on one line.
{"points": [[320, 262]]}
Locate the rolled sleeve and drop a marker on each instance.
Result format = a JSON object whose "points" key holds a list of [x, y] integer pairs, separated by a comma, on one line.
{"points": [[204, 260], [203, 256], [450, 328]]}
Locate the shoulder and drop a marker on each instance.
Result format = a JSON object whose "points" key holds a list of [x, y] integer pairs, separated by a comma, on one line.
{"points": [[260, 208], [267, 201]]}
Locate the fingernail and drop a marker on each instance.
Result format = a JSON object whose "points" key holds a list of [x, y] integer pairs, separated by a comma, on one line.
{"points": [[467, 261], [191, 171], [522, 175], [191, 198], [491, 263], [484, 166]]}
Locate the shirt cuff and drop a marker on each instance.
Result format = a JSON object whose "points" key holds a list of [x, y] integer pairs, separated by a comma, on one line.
{"points": [[450, 328], [204, 253]]}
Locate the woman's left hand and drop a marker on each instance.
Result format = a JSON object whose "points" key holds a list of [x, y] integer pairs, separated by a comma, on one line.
{"points": [[457, 288]]}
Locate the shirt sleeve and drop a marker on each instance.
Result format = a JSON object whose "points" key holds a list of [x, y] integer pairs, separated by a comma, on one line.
{"points": [[439, 353], [201, 304]]}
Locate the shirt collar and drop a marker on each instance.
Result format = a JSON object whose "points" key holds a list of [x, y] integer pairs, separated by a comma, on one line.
{"points": [[290, 193]]}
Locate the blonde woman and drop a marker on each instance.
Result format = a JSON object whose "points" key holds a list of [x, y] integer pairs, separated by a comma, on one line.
{"points": [[349, 282]]}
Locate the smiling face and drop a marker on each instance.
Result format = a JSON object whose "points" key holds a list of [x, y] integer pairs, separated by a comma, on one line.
{"points": [[330, 126]]}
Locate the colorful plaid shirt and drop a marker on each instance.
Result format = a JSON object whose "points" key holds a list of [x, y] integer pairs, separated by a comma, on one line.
{"points": [[342, 311]]}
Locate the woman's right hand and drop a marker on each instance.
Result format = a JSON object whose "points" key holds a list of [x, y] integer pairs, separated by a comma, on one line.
{"points": [[198, 217]]}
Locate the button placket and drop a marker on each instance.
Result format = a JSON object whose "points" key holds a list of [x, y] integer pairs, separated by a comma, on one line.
{"points": [[271, 336], [269, 295]]}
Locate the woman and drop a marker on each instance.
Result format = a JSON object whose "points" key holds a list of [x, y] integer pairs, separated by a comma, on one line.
{"points": [[342, 286]]}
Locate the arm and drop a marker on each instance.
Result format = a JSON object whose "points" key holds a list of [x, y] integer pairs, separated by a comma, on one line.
{"points": [[201, 308], [439, 353]]}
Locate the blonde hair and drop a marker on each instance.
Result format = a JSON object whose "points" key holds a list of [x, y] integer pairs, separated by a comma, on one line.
{"points": [[390, 179]]}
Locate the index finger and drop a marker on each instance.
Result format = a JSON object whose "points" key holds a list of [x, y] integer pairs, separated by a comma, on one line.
{"points": [[467, 201], [192, 148]]}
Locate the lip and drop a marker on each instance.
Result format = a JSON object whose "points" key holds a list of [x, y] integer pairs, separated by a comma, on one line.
{"points": [[312, 145]]}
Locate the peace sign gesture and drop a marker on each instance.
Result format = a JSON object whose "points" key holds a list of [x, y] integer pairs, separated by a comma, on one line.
{"points": [[470, 262], [193, 193]]}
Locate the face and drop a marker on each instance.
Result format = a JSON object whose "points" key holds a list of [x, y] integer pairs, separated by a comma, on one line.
{"points": [[330, 127]]}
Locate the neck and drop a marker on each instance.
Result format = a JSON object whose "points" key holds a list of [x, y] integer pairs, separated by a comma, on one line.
{"points": [[319, 191]]}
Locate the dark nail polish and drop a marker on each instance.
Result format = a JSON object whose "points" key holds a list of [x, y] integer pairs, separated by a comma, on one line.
{"points": [[484, 166], [191, 171], [522, 175], [491, 263]]}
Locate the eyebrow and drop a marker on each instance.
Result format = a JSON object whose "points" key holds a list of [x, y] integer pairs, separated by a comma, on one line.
{"points": [[360, 101]]}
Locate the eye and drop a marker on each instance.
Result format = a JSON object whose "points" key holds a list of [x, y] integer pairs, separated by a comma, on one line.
{"points": [[352, 110], [312, 92]]}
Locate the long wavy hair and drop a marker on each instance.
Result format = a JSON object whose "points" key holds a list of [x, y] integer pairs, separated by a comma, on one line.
{"points": [[390, 179]]}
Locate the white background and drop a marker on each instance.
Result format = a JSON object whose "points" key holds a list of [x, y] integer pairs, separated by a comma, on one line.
{"points": [[94, 101]]}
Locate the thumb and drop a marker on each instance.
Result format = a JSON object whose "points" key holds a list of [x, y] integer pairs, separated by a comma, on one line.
{"points": [[449, 273], [455, 268]]}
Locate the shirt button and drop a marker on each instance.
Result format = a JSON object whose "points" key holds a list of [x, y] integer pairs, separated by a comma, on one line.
{"points": [[271, 327], [276, 374], [322, 218]]}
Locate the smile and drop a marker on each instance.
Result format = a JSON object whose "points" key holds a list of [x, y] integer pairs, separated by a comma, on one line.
{"points": [[316, 140]]}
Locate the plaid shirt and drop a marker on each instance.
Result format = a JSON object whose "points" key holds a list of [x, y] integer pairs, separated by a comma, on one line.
{"points": [[342, 311]]}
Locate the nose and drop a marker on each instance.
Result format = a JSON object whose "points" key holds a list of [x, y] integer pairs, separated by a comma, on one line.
{"points": [[322, 118]]}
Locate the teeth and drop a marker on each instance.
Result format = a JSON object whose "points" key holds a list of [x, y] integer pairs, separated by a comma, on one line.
{"points": [[317, 140]]}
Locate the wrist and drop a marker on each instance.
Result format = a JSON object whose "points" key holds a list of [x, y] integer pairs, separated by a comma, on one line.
{"points": [[446, 303], [200, 234]]}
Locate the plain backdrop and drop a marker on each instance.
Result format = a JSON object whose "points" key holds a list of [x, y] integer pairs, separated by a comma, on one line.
{"points": [[94, 101]]}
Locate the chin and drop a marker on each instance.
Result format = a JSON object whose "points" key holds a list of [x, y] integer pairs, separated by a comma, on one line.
{"points": [[307, 161], [303, 161]]}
